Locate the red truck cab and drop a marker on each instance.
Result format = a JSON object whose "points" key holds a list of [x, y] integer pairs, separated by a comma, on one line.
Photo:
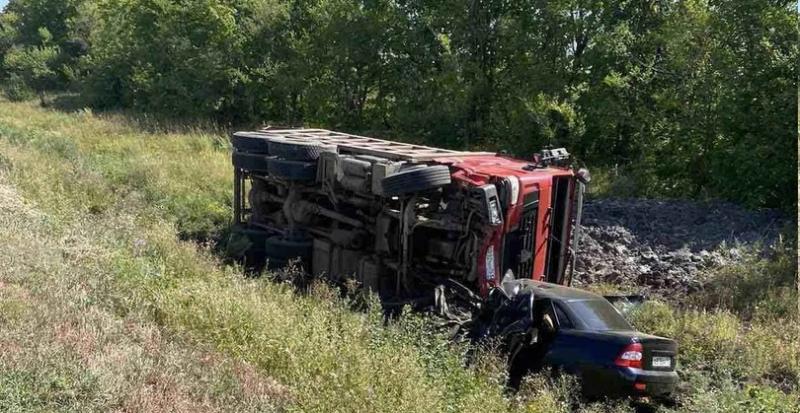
{"points": [[539, 213]]}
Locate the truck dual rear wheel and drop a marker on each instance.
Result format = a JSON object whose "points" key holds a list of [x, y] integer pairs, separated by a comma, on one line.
{"points": [[279, 251], [282, 148], [298, 151], [253, 162], [416, 180], [292, 170], [246, 142]]}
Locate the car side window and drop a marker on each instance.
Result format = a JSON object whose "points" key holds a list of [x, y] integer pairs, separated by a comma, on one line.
{"points": [[563, 319]]}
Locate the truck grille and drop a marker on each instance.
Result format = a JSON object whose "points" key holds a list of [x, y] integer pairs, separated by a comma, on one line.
{"points": [[528, 229], [518, 253]]}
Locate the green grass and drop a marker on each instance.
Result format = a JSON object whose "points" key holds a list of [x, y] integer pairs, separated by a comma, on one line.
{"points": [[65, 348], [108, 303]]}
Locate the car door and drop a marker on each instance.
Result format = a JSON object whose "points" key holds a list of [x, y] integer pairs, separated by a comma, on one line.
{"points": [[567, 350], [582, 353]]}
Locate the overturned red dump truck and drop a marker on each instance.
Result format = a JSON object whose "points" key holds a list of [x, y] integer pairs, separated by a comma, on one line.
{"points": [[401, 219]]}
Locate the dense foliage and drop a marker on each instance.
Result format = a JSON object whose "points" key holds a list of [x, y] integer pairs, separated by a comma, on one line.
{"points": [[685, 98]]}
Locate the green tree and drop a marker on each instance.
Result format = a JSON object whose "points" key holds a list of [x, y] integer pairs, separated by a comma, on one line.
{"points": [[8, 35], [682, 95], [47, 25], [33, 67], [175, 57]]}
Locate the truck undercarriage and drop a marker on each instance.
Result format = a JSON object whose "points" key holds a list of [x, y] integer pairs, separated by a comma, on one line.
{"points": [[401, 219]]}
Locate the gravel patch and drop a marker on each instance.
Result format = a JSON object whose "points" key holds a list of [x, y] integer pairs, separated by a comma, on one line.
{"points": [[666, 244]]}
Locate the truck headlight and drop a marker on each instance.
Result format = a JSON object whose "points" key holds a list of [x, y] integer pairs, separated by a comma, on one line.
{"points": [[513, 185], [490, 271], [494, 213]]}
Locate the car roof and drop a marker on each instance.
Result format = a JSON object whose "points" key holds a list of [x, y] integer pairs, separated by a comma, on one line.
{"points": [[561, 292]]}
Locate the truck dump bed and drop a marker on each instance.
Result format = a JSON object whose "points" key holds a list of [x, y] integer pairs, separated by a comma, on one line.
{"points": [[362, 145]]}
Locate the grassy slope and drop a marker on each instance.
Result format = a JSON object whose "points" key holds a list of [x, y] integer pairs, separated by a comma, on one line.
{"points": [[65, 349], [93, 210]]}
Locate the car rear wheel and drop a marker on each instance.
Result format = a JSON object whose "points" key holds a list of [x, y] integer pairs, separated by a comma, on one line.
{"points": [[416, 180]]}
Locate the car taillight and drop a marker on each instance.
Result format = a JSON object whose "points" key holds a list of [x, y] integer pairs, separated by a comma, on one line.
{"points": [[630, 356]]}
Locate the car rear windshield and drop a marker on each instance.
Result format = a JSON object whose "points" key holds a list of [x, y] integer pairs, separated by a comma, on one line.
{"points": [[598, 315]]}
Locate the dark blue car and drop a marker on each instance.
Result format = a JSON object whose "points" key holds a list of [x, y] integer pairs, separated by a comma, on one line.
{"points": [[582, 333]]}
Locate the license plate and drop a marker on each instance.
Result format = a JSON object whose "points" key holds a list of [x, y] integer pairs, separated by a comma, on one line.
{"points": [[662, 362]]}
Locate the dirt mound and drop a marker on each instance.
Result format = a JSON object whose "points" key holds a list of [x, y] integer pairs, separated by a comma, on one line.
{"points": [[665, 245]]}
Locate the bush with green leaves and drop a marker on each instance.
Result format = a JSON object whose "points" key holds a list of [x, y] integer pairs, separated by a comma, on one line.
{"points": [[30, 67]]}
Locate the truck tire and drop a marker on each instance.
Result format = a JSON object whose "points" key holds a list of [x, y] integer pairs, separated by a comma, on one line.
{"points": [[253, 162], [246, 142], [247, 244], [293, 170], [416, 180], [279, 251], [242, 239], [298, 151]]}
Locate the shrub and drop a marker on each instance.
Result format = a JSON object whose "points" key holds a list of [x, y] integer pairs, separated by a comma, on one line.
{"points": [[761, 285], [16, 90], [34, 66], [724, 347]]}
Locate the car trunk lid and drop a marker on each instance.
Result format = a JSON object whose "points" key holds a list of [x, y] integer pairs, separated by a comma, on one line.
{"points": [[659, 353]]}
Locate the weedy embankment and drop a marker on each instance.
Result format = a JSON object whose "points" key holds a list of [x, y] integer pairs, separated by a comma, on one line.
{"points": [[107, 306]]}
